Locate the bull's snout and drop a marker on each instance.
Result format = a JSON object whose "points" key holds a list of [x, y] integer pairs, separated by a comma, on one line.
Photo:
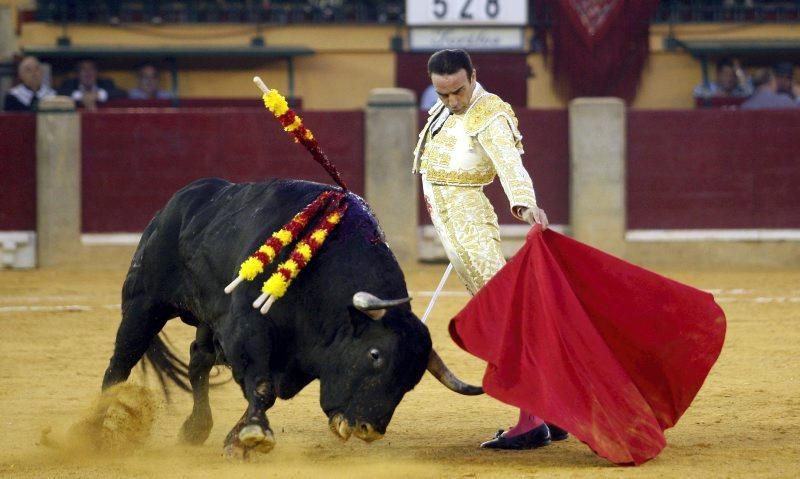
{"points": [[366, 432], [340, 427]]}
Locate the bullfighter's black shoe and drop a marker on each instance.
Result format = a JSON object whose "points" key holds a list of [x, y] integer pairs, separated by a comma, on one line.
{"points": [[536, 437], [556, 433]]}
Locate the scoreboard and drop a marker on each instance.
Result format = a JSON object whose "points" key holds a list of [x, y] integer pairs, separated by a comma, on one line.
{"points": [[464, 13]]}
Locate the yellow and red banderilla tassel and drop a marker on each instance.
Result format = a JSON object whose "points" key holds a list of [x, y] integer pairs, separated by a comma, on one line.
{"points": [[293, 124], [276, 286], [266, 253]]}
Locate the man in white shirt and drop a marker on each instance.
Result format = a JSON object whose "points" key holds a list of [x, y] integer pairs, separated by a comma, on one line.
{"points": [[31, 89], [87, 88]]}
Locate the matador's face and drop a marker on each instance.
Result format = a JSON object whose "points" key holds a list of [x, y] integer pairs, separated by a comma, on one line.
{"points": [[455, 89]]}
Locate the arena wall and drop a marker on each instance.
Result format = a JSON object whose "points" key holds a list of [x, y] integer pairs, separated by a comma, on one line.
{"points": [[693, 176], [713, 169], [17, 172], [685, 184], [133, 161]]}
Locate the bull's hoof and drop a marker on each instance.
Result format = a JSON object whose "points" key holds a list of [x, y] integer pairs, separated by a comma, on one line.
{"points": [[250, 439], [196, 432], [256, 438]]}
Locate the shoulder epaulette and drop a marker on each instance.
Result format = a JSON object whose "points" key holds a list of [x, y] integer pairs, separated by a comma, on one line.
{"points": [[485, 110]]}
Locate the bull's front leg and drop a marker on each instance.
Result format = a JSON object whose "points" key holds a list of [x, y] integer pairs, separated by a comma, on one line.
{"points": [[252, 432]]}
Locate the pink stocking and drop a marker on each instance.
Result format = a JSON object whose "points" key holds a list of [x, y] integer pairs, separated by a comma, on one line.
{"points": [[527, 421]]}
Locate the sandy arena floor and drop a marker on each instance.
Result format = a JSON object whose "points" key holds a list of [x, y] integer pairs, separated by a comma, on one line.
{"points": [[57, 328]]}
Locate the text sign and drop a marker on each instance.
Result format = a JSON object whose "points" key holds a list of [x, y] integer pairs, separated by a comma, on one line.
{"points": [[472, 39], [466, 12]]}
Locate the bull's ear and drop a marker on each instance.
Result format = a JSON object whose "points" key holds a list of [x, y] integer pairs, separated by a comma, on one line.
{"points": [[359, 322], [376, 314]]}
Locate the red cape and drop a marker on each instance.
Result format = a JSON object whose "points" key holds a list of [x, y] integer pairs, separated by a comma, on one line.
{"points": [[609, 351]]}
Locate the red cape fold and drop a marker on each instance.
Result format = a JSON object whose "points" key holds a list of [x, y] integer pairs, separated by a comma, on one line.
{"points": [[609, 351]]}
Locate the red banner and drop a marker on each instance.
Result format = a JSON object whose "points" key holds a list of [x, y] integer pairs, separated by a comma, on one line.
{"points": [[599, 47]]}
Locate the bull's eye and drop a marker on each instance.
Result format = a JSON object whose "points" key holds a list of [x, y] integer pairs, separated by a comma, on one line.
{"points": [[374, 354]]}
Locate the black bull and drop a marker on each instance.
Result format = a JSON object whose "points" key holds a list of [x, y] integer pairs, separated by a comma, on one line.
{"points": [[366, 356]]}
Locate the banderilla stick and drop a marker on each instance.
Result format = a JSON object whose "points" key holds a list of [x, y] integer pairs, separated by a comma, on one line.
{"points": [[260, 84]]}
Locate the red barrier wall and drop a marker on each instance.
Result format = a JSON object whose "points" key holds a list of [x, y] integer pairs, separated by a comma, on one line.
{"points": [[546, 142], [17, 171], [545, 136], [686, 169], [134, 160], [713, 169]]}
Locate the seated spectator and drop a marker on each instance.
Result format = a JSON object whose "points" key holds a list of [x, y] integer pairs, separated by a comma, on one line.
{"points": [[766, 95], [428, 98], [148, 80], [735, 3], [88, 88], [31, 89], [730, 82], [784, 79]]}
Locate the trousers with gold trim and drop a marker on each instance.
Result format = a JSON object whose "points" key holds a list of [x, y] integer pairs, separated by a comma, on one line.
{"points": [[467, 226]]}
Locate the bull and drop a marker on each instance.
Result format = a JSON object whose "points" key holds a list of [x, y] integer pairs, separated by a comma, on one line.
{"points": [[346, 320]]}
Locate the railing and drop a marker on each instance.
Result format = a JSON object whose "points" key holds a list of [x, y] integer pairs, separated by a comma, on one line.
{"points": [[223, 11], [735, 11], [370, 11]]}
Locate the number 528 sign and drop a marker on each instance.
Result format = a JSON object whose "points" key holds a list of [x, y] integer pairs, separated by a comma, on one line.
{"points": [[466, 12]]}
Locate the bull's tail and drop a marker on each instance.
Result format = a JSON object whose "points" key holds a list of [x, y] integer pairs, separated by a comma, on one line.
{"points": [[167, 365]]}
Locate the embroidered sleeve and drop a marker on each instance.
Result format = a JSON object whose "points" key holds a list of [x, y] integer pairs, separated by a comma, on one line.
{"points": [[500, 146]]}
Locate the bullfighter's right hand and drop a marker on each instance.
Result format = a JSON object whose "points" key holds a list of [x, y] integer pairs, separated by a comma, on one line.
{"points": [[535, 215]]}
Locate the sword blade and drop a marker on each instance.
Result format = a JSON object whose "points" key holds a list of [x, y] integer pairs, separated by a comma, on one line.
{"points": [[436, 293]]}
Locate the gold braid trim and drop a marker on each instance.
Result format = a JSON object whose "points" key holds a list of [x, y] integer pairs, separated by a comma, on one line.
{"points": [[458, 177], [423, 135], [485, 109], [449, 227]]}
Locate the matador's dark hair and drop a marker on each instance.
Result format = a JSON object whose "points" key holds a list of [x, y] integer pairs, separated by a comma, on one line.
{"points": [[447, 62]]}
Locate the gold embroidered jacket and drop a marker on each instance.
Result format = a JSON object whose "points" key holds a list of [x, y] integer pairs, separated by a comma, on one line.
{"points": [[471, 148]]}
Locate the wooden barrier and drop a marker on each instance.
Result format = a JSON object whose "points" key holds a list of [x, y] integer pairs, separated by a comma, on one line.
{"points": [[133, 161], [713, 169], [17, 172], [713, 186]]}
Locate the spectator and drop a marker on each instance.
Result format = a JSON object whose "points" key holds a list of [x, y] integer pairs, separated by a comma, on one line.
{"points": [[784, 79], [428, 98], [31, 89], [766, 95], [735, 3], [148, 80], [88, 88], [730, 82]]}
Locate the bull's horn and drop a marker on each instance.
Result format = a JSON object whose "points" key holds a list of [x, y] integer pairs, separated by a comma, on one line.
{"points": [[372, 305], [440, 371]]}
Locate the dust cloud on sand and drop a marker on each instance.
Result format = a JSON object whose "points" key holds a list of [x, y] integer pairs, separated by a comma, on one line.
{"points": [[119, 420]]}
